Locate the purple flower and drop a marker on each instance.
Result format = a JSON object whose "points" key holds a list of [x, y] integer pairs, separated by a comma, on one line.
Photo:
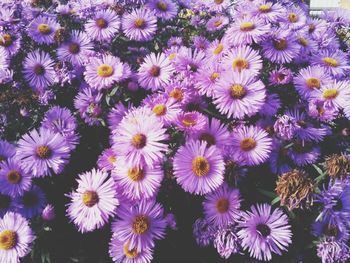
{"points": [[285, 127], [42, 152], [7, 150], [104, 26], [203, 232], [165, 9], [322, 111], [155, 72], [42, 29], [227, 242], [221, 207], [31, 203], [38, 70], [107, 160], [140, 225], [93, 202], [13, 180], [139, 25], [48, 213], [335, 62], [11, 42], [197, 168], [102, 73], [331, 251], [191, 122], [264, 231], [16, 238], [217, 23], [282, 76]]}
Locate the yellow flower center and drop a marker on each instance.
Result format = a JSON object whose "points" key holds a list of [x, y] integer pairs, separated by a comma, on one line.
{"points": [[303, 41], [139, 141], [177, 94], [8, 239], [293, 17], [217, 23], [105, 71], [43, 152], [313, 83], [280, 44], [264, 8], [136, 174], [6, 40], [247, 26], [112, 159], [159, 109], [140, 224], [101, 23], [248, 144], [330, 94], [14, 177], [200, 166], [172, 56], [222, 205], [218, 2], [239, 64], [155, 71], [130, 253], [74, 48], [90, 198], [189, 121], [162, 6], [330, 61], [214, 76], [218, 49], [140, 23], [237, 91], [44, 29]]}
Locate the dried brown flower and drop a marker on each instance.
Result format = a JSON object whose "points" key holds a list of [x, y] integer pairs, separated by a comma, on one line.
{"points": [[295, 189], [337, 166]]}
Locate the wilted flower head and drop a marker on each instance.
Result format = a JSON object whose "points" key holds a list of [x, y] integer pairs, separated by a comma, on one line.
{"points": [[337, 166], [295, 189]]}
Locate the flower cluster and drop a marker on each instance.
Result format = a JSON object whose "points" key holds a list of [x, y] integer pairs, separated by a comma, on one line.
{"points": [[114, 105]]}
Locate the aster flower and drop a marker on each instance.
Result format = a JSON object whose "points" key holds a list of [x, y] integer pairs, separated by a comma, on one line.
{"points": [[217, 50], [75, 49], [217, 23], [267, 10], [60, 120], [310, 79], [165, 9], [137, 182], [271, 106], [330, 250], [139, 138], [42, 152], [321, 110], [294, 18], [14, 181], [250, 145], [104, 26], [247, 30], [42, 29], [207, 78], [281, 48], [93, 202], [203, 232], [239, 94], [330, 228], [217, 5], [264, 231], [285, 127], [281, 76], [7, 150], [31, 203], [304, 152], [197, 168], [102, 73], [214, 133], [155, 71], [120, 252], [87, 102], [16, 237], [335, 93], [107, 160], [11, 42], [140, 225], [227, 242], [334, 62], [188, 62], [191, 122], [200, 42], [116, 114], [38, 70], [164, 108], [48, 213], [244, 58], [139, 25], [221, 207]]}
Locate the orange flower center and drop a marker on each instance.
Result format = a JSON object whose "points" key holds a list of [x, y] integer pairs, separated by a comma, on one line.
{"points": [[248, 144], [140, 224], [8, 239], [90, 198], [14, 177], [200, 166], [222, 205], [139, 141], [237, 91]]}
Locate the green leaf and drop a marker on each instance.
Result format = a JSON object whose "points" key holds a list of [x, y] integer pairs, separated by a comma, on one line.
{"points": [[268, 193], [318, 169], [276, 200]]}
